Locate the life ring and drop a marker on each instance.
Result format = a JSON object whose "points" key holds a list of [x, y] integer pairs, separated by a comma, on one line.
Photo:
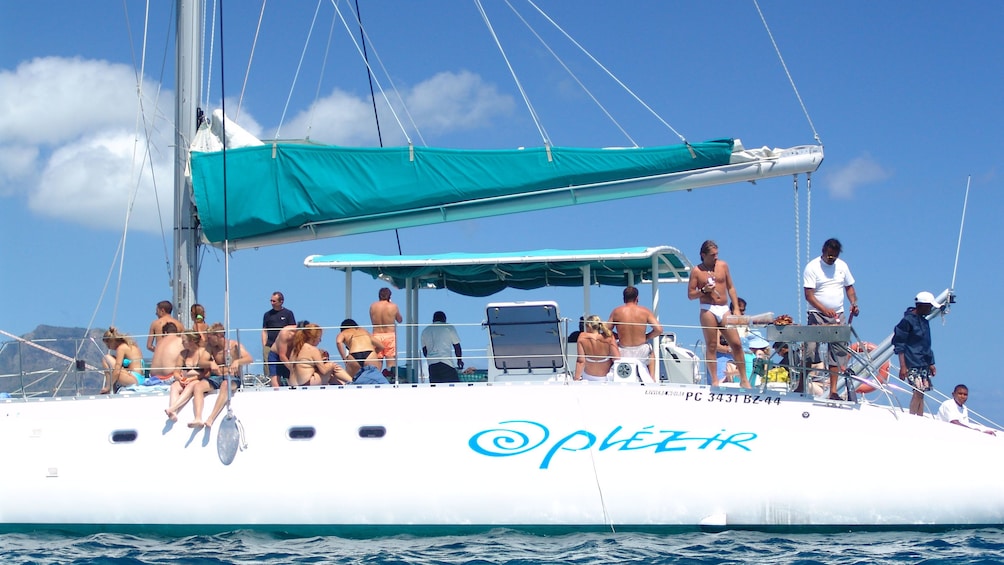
{"points": [[883, 372]]}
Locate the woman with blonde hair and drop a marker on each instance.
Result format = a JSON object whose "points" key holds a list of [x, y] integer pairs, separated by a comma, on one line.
{"points": [[193, 365], [199, 323], [597, 351], [311, 366], [124, 362]]}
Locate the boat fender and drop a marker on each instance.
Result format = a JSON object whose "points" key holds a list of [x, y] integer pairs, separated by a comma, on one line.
{"points": [[883, 372]]}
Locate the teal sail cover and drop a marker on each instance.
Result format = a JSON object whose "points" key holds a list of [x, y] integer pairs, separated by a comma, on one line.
{"points": [[275, 190]]}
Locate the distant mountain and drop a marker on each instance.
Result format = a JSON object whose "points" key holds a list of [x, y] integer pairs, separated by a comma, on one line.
{"points": [[49, 360]]}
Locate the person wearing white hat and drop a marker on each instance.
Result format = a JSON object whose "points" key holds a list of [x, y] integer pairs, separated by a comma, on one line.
{"points": [[911, 341]]}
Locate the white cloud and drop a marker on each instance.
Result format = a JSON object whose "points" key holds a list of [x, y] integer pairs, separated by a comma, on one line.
{"points": [[67, 123], [452, 101], [92, 180], [338, 119], [17, 165], [860, 171], [53, 99], [446, 102]]}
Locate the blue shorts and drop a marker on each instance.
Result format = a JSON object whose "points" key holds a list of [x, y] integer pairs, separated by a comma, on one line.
{"points": [[277, 368]]}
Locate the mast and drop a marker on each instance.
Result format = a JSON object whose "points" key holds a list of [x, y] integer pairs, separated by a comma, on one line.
{"points": [[188, 61]]}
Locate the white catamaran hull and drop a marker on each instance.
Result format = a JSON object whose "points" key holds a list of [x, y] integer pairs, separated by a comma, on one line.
{"points": [[545, 456]]}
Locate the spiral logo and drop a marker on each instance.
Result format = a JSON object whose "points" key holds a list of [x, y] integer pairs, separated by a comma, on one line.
{"points": [[519, 437]]}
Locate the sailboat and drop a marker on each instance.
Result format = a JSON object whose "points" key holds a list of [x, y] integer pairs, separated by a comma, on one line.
{"points": [[528, 448]]}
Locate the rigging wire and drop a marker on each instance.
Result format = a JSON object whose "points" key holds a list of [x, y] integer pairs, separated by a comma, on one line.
{"points": [[815, 135], [798, 258], [958, 246], [376, 114], [519, 85], [299, 66], [247, 71], [380, 87], [212, 41], [226, 223], [390, 80], [572, 74], [607, 71], [369, 73], [808, 215], [320, 79]]}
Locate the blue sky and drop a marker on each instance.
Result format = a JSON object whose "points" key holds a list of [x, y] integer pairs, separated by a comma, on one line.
{"points": [[905, 98]]}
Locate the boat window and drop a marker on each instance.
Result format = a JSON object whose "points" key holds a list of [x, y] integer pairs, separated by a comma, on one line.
{"points": [[372, 432], [124, 436], [305, 432], [525, 337]]}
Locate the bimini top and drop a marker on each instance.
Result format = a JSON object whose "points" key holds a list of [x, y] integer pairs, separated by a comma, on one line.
{"points": [[483, 274]]}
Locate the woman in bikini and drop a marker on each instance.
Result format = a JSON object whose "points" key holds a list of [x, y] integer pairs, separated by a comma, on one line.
{"points": [[311, 366], [357, 347], [597, 351], [199, 320], [194, 364], [123, 363]]}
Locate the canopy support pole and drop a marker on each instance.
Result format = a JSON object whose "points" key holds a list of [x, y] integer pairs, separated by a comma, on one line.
{"points": [[348, 292]]}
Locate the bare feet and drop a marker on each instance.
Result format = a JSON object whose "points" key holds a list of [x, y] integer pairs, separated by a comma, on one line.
{"points": [[196, 425], [170, 414], [209, 423], [105, 390], [744, 383]]}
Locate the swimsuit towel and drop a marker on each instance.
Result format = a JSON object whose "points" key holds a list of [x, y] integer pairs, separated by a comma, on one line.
{"points": [[587, 377], [154, 380], [719, 310], [389, 343], [641, 352], [139, 377], [369, 376]]}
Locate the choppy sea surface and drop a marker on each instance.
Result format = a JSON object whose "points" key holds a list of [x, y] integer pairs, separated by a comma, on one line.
{"points": [[509, 547]]}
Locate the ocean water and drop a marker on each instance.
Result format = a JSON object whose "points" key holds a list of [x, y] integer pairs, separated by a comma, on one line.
{"points": [[514, 548]]}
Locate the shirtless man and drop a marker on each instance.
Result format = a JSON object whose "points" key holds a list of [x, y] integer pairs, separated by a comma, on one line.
{"points": [[216, 345], [384, 314], [711, 282], [169, 346], [279, 354], [164, 310], [629, 322]]}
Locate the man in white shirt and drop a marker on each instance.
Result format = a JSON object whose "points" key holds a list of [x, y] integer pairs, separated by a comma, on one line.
{"points": [[954, 410], [826, 279], [441, 346]]}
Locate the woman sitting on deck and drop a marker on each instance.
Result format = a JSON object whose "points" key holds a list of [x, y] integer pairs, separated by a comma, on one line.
{"points": [[123, 363], [311, 366], [194, 364], [357, 347], [597, 351]]}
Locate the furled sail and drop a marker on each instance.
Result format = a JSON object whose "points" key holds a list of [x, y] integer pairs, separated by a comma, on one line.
{"points": [[282, 192]]}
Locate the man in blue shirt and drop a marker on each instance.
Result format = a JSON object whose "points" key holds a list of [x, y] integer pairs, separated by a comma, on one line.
{"points": [[911, 340]]}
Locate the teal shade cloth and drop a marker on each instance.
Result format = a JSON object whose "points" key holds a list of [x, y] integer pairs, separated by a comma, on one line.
{"points": [[279, 188]]}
